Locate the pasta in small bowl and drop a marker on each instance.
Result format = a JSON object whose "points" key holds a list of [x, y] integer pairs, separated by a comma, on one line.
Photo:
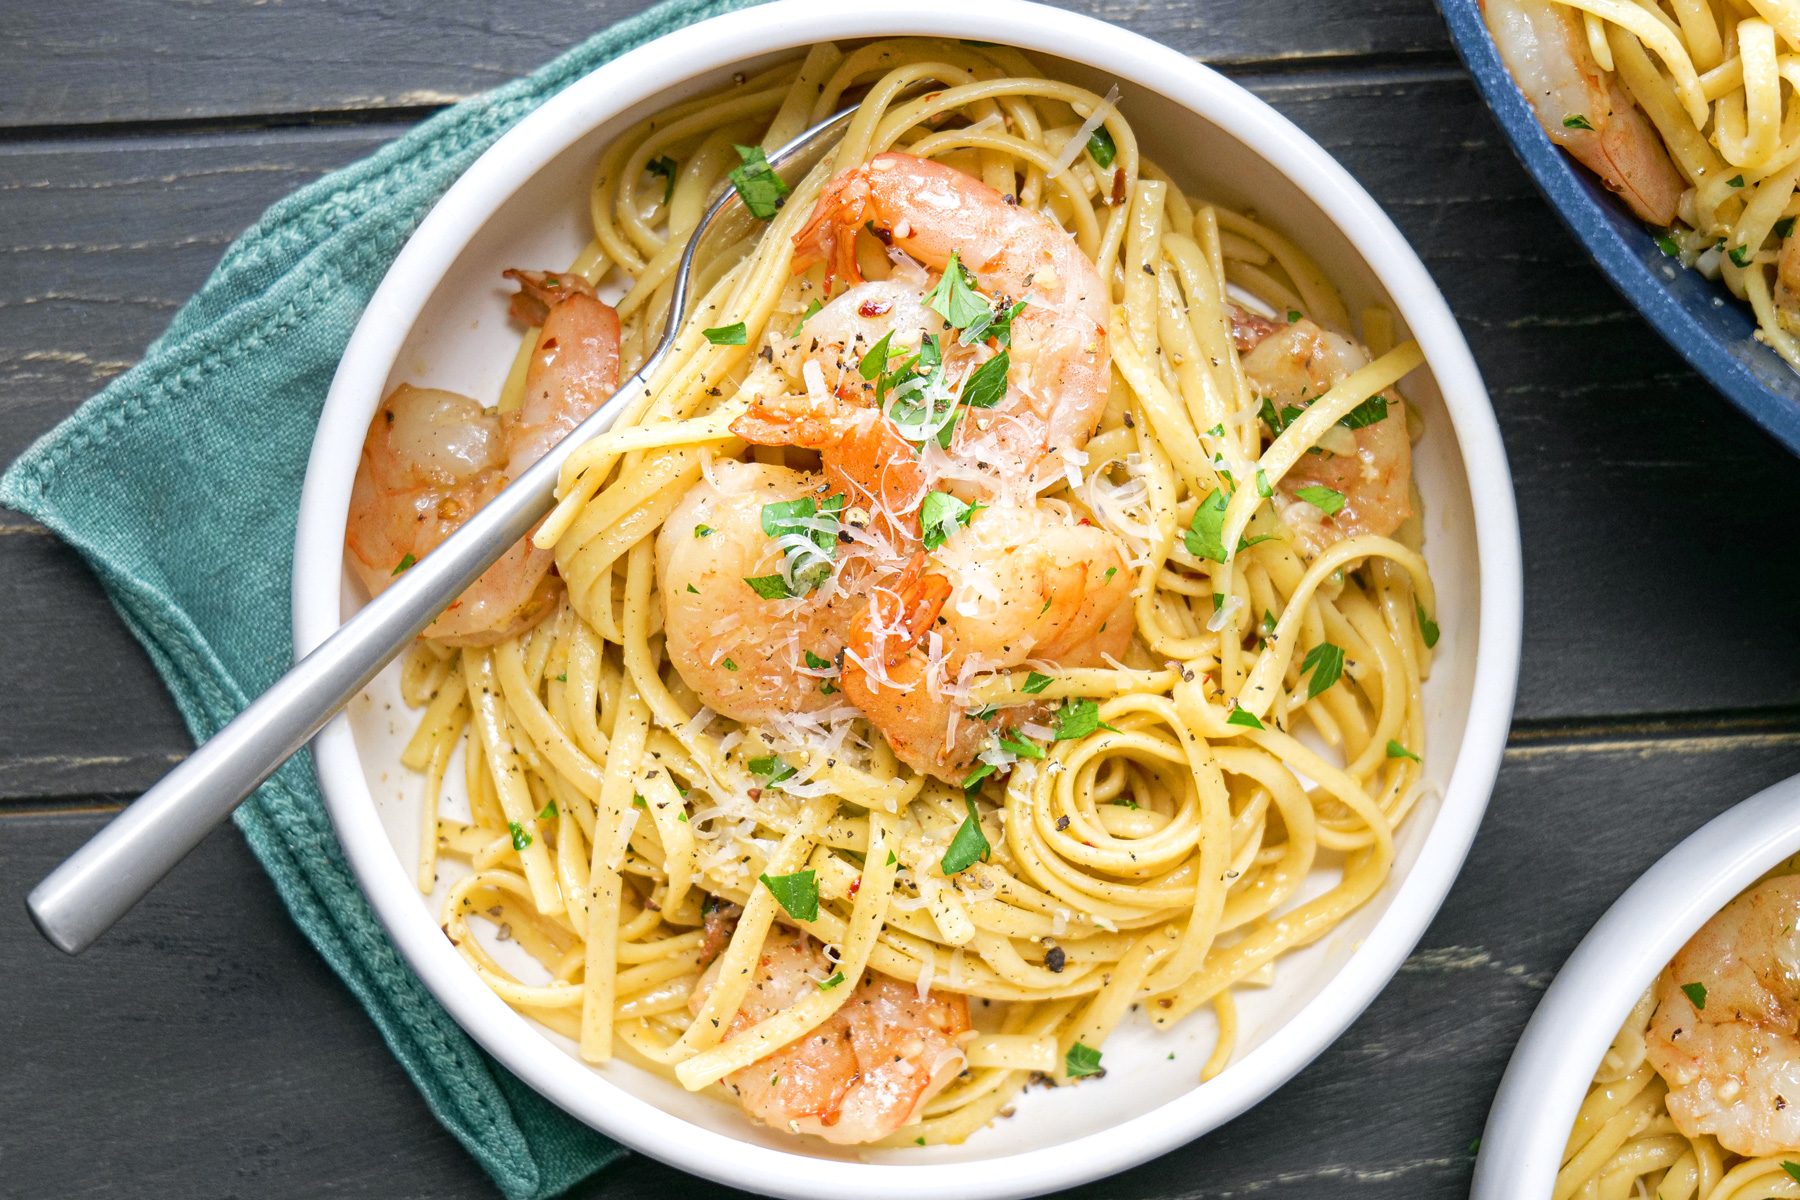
{"points": [[1659, 1061], [1039, 645]]}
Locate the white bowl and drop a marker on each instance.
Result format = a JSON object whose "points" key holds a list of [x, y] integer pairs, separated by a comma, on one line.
{"points": [[1554, 1063], [439, 318]]}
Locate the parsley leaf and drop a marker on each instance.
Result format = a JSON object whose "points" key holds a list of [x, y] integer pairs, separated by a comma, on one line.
{"points": [[1243, 717], [1205, 536], [811, 310], [770, 770], [1784, 227], [1736, 181], [994, 324], [807, 530], [955, 298], [1035, 683], [942, 515], [405, 562], [727, 335], [1577, 121], [1696, 994], [986, 384], [972, 781], [703, 531], [1324, 499], [1396, 750], [1374, 409], [1102, 147], [1078, 718], [798, 894], [1428, 628], [1262, 484], [548, 811], [520, 839], [770, 587], [1326, 664], [1668, 245], [874, 361], [817, 662], [1740, 255], [1019, 744], [1081, 1061], [664, 166], [757, 184], [831, 981], [970, 845], [1277, 421], [1793, 1170]]}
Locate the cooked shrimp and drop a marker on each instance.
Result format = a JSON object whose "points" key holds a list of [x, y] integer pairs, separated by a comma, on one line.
{"points": [[1058, 377], [1726, 1031], [1020, 584], [1370, 467], [1581, 106], [740, 652], [867, 1071], [433, 457]]}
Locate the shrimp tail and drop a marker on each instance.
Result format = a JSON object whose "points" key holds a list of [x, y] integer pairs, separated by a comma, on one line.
{"points": [[829, 235], [898, 618], [866, 459], [541, 291]]}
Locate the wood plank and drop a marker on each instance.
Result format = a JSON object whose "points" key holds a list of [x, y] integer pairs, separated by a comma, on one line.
{"points": [[1615, 445], [170, 60], [230, 1060]]}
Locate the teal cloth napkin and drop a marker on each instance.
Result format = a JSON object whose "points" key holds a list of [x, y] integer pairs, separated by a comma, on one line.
{"points": [[179, 485]]}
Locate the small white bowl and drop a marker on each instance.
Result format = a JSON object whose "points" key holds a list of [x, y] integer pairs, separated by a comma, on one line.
{"points": [[1580, 1014], [439, 319]]}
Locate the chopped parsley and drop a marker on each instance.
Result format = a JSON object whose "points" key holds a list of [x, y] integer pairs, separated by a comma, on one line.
{"points": [[798, 894], [1428, 628], [1325, 663], [1205, 536], [1696, 994], [942, 515], [729, 665], [1019, 744], [1396, 750], [1294, 314], [807, 532], [770, 770], [1666, 242], [1081, 1061], [970, 845], [693, 589], [1102, 147], [971, 783], [405, 562], [1792, 1168], [812, 309], [1740, 255], [1784, 227], [817, 662], [520, 839], [986, 384], [874, 361], [704, 531], [1278, 421], [727, 335], [955, 297], [638, 801], [548, 811], [1577, 121], [1326, 500], [1262, 484], [1243, 717], [1374, 409], [757, 184], [995, 324], [664, 166], [1036, 682], [831, 981], [1736, 181], [1078, 718]]}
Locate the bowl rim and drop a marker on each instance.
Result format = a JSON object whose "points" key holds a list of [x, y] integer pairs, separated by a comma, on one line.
{"points": [[1626, 255], [784, 24], [1580, 1014]]}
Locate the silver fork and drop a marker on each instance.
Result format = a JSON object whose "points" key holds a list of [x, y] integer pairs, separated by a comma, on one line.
{"points": [[104, 879]]}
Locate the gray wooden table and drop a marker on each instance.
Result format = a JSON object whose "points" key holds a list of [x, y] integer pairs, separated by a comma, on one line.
{"points": [[204, 1050]]}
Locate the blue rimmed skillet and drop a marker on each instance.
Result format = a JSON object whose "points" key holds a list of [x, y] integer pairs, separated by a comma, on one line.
{"points": [[1705, 323]]}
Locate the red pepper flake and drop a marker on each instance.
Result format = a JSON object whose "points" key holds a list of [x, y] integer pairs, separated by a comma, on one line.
{"points": [[1118, 191], [873, 308], [856, 886]]}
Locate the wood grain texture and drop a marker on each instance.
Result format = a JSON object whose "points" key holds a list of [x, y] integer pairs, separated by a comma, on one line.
{"points": [[176, 60], [202, 1050]]}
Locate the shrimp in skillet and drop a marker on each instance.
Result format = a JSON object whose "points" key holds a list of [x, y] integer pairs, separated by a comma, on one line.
{"points": [[433, 457], [1725, 1035], [1581, 106], [867, 1071], [1370, 467], [1058, 374]]}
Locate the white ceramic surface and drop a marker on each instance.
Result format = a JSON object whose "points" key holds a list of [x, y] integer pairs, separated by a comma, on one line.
{"points": [[1568, 1035], [439, 318]]}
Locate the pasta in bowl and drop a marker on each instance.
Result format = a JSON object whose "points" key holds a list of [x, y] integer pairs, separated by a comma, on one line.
{"points": [[997, 633]]}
